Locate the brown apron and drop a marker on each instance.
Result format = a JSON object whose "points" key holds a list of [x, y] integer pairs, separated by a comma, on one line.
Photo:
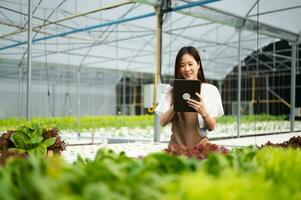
{"points": [[185, 130]]}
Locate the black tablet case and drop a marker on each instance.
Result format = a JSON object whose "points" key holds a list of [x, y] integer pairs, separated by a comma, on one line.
{"points": [[182, 86]]}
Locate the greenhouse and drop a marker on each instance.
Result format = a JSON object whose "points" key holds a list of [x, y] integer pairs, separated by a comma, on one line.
{"points": [[85, 89]]}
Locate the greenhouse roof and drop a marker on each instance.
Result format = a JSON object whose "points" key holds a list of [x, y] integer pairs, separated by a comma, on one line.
{"points": [[121, 35]]}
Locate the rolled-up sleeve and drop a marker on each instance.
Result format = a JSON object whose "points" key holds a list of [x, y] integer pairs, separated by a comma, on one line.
{"points": [[213, 102]]}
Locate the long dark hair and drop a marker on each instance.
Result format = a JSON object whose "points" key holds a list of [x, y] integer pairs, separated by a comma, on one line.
{"points": [[195, 54]]}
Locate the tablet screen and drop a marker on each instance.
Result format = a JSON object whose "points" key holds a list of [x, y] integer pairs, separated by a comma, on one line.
{"points": [[183, 90]]}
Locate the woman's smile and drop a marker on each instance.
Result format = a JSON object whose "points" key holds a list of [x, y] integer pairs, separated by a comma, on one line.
{"points": [[189, 67]]}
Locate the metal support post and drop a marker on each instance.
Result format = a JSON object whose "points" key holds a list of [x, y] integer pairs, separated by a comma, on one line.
{"points": [[293, 87], [159, 14], [239, 84], [78, 101], [267, 95], [29, 45]]}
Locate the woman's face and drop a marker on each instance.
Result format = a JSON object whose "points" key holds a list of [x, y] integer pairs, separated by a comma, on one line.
{"points": [[189, 67]]}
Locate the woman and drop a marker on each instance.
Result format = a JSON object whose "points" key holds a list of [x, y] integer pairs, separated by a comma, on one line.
{"points": [[188, 128]]}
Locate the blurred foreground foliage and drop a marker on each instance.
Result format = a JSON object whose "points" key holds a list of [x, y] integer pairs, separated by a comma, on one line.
{"points": [[274, 173]]}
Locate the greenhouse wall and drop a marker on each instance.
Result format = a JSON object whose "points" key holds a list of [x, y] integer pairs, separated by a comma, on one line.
{"points": [[265, 86], [61, 100], [54, 90]]}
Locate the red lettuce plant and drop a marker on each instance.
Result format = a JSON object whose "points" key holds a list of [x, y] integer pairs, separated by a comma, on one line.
{"points": [[293, 142], [200, 151]]}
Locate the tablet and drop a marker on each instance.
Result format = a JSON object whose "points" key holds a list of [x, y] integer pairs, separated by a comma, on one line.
{"points": [[182, 91]]}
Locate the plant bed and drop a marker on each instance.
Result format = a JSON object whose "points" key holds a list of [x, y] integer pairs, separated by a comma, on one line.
{"points": [[200, 151], [273, 172], [32, 139], [293, 142]]}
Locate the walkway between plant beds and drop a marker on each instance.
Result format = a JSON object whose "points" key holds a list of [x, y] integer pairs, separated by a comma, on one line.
{"points": [[136, 149]]}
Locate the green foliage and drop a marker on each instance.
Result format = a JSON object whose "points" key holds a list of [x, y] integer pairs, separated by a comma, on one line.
{"points": [[226, 119], [141, 121], [86, 122], [29, 138], [239, 159], [108, 176], [229, 119], [10, 123], [262, 117], [271, 173], [281, 166], [229, 186]]}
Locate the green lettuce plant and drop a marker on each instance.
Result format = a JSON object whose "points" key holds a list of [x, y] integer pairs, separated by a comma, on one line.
{"points": [[29, 138]]}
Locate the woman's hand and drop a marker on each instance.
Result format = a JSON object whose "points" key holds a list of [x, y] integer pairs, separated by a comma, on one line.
{"points": [[199, 106]]}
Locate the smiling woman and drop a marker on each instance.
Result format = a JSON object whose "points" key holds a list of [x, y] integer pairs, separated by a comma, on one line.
{"points": [[188, 128]]}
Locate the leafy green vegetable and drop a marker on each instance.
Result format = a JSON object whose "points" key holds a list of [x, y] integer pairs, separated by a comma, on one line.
{"points": [[29, 137], [271, 173]]}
